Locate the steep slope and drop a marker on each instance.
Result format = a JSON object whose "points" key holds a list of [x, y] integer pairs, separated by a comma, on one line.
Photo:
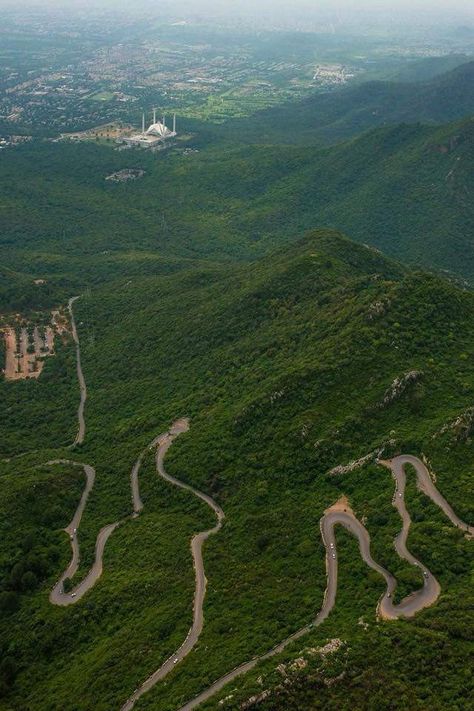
{"points": [[428, 68], [406, 190], [287, 367]]}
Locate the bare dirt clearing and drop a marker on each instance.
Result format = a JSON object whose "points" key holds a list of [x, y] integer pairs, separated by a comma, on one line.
{"points": [[27, 346]]}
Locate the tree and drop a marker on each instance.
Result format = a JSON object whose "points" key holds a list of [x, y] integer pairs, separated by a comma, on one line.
{"points": [[29, 581], [8, 601]]}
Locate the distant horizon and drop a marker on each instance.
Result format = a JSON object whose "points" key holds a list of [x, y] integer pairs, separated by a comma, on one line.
{"points": [[424, 12]]}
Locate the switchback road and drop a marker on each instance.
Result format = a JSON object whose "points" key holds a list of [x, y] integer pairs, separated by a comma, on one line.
{"points": [[197, 542], [341, 514]]}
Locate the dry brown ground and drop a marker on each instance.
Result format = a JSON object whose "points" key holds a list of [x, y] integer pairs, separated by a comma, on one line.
{"points": [[21, 364]]}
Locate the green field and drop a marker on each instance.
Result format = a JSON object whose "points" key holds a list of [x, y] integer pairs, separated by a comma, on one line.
{"points": [[102, 96]]}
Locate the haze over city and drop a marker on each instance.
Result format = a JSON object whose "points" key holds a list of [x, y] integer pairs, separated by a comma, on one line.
{"points": [[383, 11]]}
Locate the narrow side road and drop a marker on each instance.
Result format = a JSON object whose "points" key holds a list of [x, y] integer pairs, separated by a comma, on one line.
{"points": [[137, 502], [81, 432]]}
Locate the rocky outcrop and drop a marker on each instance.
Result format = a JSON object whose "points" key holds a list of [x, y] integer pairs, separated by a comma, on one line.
{"points": [[290, 671], [255, 700], [462, 427], [358, 463], [377, 309], [400, 385], [334, 645]]}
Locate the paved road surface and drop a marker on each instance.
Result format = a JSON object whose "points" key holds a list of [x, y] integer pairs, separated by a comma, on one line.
{"points": [[81, 433], [165, 442], [338, 515], [137, 502], [57, 595]]}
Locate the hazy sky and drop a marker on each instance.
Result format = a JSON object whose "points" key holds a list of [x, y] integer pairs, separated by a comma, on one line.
{"points": [[310, 6], [422, 10]]}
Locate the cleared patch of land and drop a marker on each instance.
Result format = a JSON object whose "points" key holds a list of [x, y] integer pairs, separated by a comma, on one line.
{"points": [[122, 176], [112, 131], [25, 351], [27, 346]]}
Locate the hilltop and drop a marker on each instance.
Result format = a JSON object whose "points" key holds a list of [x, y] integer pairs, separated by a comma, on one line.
{"points": [[288, 367]]}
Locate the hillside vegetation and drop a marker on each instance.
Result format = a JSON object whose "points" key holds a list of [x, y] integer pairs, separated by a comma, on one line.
{"points": [[344, 113], [205, 292], [405, 189], [283, 366]]}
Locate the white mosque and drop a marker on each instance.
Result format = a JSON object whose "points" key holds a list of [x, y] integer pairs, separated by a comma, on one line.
{"points": [[155, 136]]}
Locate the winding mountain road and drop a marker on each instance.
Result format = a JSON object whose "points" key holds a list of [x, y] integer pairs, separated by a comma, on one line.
{"points": [[57, 595], [341, 514], [197, 542]]}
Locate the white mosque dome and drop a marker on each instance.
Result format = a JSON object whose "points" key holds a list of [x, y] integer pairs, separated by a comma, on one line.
{"points": [[158, 129]]}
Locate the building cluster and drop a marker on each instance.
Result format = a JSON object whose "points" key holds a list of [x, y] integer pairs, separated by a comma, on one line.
{"points": [[156, 136], [333, 74], [13, 141]]}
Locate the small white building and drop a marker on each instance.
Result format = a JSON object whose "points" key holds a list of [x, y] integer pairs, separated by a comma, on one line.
{"points": [[155, 136]]}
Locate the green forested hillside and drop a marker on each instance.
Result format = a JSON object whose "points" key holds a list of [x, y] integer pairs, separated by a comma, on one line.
{"points": [[428, 68], [405, 189], [206, 292], [282, 365]]}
